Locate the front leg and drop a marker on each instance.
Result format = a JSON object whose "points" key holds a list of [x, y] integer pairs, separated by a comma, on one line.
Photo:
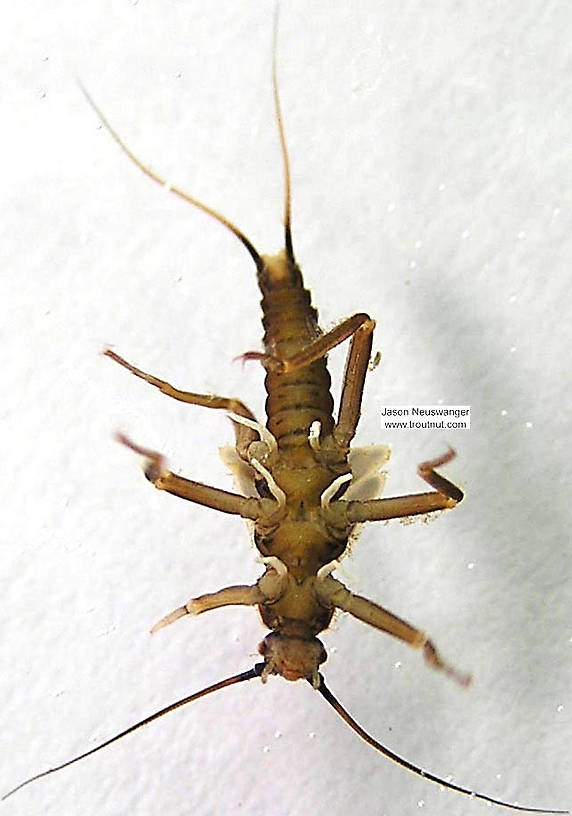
{"points": [[268, 589], [229, 596], [334, 594]]}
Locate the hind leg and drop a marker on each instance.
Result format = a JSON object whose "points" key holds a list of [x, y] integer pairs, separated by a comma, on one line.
{"points": [[243, 434]]}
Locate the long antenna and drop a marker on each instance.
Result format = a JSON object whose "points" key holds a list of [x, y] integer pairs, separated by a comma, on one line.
{"points": [[171, 188], [283, 147], [256, 671], [347, 717]]}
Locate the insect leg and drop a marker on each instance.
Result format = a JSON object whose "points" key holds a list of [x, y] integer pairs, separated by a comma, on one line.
{"points": [[360, 328], [334, 593], [357, 365], [244, 435], [268, 589], [157, 473], [326, 342], [447, 496], [229, 596], [428, 473]]}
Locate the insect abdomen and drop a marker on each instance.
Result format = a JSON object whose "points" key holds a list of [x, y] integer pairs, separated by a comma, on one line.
{"points": [[297, 398]]}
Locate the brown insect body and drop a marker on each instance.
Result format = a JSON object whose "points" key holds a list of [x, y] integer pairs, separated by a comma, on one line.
{"points": [[304, 533], [301, 539], [299, 536], [297, 399], [302, 486], [294, 471]]}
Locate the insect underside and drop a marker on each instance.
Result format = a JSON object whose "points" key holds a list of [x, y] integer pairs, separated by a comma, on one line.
{"points": [[302, 486]]}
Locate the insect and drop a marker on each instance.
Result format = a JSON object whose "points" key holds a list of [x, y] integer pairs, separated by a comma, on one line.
{"points": [[285, 509]]}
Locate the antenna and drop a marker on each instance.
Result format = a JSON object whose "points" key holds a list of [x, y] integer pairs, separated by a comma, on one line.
{"points": [[256, 671]]}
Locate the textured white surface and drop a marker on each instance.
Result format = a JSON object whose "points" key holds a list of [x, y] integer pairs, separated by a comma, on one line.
{"points": [[431, 157]]}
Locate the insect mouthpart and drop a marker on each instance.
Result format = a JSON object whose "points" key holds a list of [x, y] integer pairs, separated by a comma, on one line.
{"points": [[293, 658]]}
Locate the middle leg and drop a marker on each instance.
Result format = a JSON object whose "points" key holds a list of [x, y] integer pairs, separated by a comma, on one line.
{"points": [[157, 473], [447, 495]]}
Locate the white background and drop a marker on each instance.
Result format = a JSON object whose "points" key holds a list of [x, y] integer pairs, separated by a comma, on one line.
{"points": [[431, 160]]}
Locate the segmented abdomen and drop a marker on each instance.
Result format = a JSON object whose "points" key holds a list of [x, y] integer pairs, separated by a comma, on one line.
{"points": [[295, 399]]}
